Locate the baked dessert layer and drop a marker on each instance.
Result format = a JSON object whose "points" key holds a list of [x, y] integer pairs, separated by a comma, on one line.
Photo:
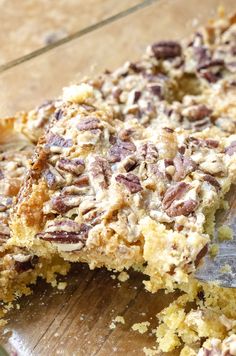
{"points": [[120, 194], [18, 267]]}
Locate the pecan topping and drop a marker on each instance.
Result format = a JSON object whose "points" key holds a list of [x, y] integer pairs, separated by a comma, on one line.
{"points": [[101, 171], [183, 166], [148, 153], [75, 166], [89, 123], [212, 180], [56, 140], [231, 149], [183, 208], [202, 56], [166, 49], [131, 181], [67, 237], [120, 150], [174, 193]]}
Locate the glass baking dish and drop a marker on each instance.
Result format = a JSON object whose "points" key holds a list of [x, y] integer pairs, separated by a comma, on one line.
{"points": [[76, 321]]}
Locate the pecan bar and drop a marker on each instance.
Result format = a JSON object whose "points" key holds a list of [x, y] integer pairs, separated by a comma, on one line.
{"points": [[121, 195], [18, 267]]}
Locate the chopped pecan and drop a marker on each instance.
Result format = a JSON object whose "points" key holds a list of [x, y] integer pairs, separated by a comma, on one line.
{"points": [[183, 166], [24, 263], [82, 181], [58, 114], [148, 153], [174, 193], [200, 255], [58, 141], [63, 225], [53, 178], [211, 63], [197, 112], [89, 123], [212, 180], [75, 166], [67, 237], [63, 203], [231, 149], [157, 90], [1, 174], [120, 150], [130, 164], [183, 208], [210, 76], [131, 182], [124, 134], [166, 49], [137, 94], [202, 55], [101, 171], [210, 143]]}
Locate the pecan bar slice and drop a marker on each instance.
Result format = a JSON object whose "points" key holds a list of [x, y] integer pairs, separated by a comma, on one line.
{"points": [[18, 267], [121, 196]]}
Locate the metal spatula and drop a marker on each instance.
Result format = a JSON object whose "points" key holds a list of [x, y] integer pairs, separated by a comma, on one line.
{"points": [[211, 270]]}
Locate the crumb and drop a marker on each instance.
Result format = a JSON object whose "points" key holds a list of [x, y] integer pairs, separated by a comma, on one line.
{"points": [[214, 249], [150, 352], [226, 268], [18, 306], [113, 276], [61, 285], [78, 93], [118, 319], [141, 327], [225, 233], [123, 276]]}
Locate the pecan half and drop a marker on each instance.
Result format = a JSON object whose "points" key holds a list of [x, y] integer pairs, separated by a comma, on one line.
{"points": [[231, 149], [212, 180], [131, 181], [120, 150], [75, 166], [67, 237], [101, 171], [89, 123], [166, 49]]}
